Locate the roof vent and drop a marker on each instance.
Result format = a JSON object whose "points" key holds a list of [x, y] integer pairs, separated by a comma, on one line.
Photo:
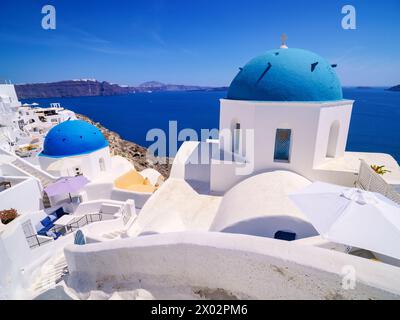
{"points": [[313, 66], [265, 71]]}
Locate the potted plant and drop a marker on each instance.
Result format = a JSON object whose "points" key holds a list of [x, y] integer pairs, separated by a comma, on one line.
{"points": [[6, 216], [379, 169]]}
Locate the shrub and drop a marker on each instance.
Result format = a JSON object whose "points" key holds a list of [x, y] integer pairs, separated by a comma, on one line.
{"points": [[379, 169], [7, 216]]}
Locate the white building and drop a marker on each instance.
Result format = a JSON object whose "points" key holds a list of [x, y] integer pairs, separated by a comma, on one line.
{"points": [[76, 147], [284, 111], [215, 227], [9, 128], [82, 144], [36, 119]]}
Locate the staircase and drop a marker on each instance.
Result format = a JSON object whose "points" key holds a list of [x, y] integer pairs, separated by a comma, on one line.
{"points": [[52, 272], [44, 179], [114, 234]]}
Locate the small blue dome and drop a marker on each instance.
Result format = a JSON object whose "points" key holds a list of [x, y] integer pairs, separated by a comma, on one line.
{"points": [[286, 75], [72, 138]]}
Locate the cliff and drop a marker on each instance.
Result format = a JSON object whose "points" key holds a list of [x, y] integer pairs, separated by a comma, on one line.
{"points": [[132, 151], [395, 88], [84, 88], [70, 88]]}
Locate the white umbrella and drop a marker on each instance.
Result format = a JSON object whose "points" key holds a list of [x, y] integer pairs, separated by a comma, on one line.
{"points": [[352, 217], [63, 164]]}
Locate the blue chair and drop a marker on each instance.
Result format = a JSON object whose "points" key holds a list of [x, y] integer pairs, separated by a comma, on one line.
{"points": [[42, 232], [57, 235], [46, 221]]}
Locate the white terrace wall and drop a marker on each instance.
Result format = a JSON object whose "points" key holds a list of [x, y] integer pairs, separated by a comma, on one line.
{"points": [[247, 266], [98, 191], [28, 190], [192, 162]]}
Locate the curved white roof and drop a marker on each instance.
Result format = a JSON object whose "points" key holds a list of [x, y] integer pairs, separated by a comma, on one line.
{"points": [[260, 206]]}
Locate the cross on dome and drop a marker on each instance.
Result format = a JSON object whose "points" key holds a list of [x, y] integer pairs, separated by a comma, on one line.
{"points": [[284, 37]]}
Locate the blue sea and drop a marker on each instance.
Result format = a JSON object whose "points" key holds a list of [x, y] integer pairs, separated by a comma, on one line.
{"points": [[374, 127]]}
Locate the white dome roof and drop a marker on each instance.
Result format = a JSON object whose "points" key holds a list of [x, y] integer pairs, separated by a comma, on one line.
{"points": [[260, 206]]}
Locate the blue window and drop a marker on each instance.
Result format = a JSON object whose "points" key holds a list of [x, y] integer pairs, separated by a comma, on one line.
{"points": [[282, 145]]}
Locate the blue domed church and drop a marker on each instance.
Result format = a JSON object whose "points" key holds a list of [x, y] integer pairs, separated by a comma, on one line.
{"points": [[284, 110], [75, 147]]}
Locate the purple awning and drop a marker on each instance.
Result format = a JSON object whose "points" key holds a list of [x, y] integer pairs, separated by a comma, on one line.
{"points": [[66, 185]]}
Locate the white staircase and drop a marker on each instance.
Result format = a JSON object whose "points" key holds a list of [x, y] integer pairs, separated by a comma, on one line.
{"points": [[51, 273], [114, 235], [44, 179]]}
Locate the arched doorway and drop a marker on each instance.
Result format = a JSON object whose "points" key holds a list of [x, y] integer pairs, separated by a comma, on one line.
{"points": [[333, 139]]}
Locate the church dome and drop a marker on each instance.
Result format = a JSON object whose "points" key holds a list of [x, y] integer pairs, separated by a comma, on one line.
{"points": [[72, 138], [286, 75]]}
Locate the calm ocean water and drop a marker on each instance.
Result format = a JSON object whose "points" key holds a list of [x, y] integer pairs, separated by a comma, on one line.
{"points": [[375, 122]]}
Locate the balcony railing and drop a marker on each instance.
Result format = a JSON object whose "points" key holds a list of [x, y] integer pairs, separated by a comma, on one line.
{"points": [[83, 221], [369, 180], [35, 241]]}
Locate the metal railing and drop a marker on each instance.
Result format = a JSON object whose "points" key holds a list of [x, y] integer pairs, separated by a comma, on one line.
{"points": [[369, 180], [83, 221], [34, 241]]}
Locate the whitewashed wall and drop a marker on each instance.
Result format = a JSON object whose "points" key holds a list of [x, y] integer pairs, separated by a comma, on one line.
{"points": [[309, 123], [25, 197], [255, 267], [88, 163]]}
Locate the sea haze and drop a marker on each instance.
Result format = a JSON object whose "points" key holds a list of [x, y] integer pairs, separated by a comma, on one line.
{"points": [[374, 127]]}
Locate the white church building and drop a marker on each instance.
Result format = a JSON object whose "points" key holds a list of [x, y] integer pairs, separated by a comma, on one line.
{"points": [[82, 145], [284, 111]]}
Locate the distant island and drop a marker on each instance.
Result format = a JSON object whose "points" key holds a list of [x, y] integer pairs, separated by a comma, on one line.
{"points": [[92, 87], [395, 88], [364, 88]]}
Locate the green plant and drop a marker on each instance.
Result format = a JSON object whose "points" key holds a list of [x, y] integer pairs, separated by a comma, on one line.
{"points": [[7, 216], [379, 169]]}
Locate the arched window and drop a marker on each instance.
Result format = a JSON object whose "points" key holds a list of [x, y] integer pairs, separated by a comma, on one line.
{"points": [[333, 139], [102, 164]]}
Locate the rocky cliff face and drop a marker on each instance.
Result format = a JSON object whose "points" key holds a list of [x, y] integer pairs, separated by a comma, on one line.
{"points": [[70, 88], [84, 88], [132, 151]]}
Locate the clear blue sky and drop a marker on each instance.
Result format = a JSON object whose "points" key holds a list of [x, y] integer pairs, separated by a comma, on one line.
{"points": [[192, 41]]}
